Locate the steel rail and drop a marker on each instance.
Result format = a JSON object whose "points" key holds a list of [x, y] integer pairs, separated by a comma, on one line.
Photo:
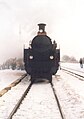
{"points": [[19, 102], [58, 102], [80, 77]]}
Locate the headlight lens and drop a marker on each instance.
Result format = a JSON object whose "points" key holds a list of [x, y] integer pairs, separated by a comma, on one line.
{"points": [[30, 57], [51, 57]]}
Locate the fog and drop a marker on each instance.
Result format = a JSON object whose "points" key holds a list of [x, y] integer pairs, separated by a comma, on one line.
{"points": [[19, 19]]}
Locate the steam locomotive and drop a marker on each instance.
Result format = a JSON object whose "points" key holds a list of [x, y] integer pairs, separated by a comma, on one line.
{"points": [[41, 59]]}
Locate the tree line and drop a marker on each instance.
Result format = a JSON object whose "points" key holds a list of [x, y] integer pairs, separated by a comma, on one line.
{"points": [[71, 59], [13, 63], [17, 63]]}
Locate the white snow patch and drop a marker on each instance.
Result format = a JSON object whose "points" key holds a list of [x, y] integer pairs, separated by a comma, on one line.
{"points": [[8, 76]]}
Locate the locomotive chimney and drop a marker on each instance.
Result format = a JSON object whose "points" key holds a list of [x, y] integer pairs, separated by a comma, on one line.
{"points": [[41, 29]]}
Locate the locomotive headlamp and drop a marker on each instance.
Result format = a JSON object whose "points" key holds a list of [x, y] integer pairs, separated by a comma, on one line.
{"points": [[51, 57], [30, 57], [41, 30]]}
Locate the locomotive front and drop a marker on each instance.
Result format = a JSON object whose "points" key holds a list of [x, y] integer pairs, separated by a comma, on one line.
{"points": [[42, 58]]}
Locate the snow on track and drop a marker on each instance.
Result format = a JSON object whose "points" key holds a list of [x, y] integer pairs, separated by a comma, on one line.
{"points": [[8, 76], [8, 100], [70, 92], [40, 103]]}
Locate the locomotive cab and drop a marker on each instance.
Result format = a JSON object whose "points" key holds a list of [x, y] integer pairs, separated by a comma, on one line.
{"points": [[42, 59]]}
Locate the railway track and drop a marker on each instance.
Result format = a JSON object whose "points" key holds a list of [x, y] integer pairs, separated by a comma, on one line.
{"points": [[37, 100], [57, 100], [73, 72], [11, 97], [40, 101], [11, 101], [19, 102], [37, 103]]}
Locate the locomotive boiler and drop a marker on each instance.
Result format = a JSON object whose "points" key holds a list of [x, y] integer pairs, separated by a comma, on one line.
{"points": [[41, 59]]}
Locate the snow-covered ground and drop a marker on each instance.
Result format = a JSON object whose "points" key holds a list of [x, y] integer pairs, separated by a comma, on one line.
{"points": [[71, 94], [8, 76], [10, 99], [75, 66], [39, 104], [69, 90]]}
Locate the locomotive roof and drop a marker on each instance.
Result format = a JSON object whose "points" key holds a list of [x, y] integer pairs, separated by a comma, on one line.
{"points": [[42, 41]]}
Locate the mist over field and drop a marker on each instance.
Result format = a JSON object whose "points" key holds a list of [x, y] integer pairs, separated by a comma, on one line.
{"points": [[19, 19]]}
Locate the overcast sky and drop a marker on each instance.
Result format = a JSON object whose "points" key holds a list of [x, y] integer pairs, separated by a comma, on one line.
{"points": [[19, 19]]}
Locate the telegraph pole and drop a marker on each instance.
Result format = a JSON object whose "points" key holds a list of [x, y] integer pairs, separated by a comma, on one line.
{"points": [[20, 32]]}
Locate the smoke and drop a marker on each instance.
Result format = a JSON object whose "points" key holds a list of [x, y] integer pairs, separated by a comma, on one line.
{"points": [[19, 19], [4, 5]]}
